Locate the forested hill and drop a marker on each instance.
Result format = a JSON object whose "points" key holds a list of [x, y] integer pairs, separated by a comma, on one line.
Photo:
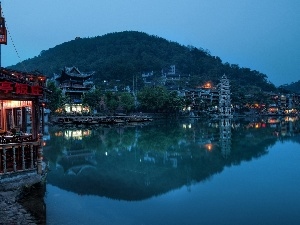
{"points": [[293, 87], [122, 55]]}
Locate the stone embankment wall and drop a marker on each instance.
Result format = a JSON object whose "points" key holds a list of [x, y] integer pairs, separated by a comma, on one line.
{"points": [[11, 191]]}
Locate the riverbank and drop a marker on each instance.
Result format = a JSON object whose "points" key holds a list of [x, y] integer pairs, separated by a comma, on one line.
{"points": [[13, 191], [11, 212]]}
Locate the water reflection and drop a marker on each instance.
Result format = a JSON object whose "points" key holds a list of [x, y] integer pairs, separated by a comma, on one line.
{"points": [[135, 163]]}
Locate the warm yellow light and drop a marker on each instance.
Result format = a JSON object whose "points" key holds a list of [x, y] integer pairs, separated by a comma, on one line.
{"points": [[207, 85], [209, 147], [15, 104]]}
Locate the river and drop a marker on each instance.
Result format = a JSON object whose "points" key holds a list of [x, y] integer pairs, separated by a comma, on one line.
{"points": [[188, 171]]}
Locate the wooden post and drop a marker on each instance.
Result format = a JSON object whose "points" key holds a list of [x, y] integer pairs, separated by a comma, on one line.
{"points": [[35, 114], [14, 158], [23, 157], [31, 156], [40, 155], [4, 160]]}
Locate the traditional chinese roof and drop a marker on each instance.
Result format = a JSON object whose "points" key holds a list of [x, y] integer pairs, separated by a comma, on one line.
{"points": [[22, 77], [73, 73], [17, 83]]}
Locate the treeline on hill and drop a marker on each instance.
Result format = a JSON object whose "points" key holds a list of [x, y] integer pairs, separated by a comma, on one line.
{"points": [[293, 87], [124, 55]]}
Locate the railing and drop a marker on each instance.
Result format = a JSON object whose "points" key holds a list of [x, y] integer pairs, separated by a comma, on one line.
{"points": [[17, 157]]}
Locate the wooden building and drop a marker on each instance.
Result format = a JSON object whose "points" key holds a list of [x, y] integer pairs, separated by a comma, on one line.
{"points": [[21, 120], [74, 84]]}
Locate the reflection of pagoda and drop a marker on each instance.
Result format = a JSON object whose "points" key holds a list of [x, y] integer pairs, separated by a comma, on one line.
{"points": [[74, 84], [225, 136], [224, 98], [76, 157]]}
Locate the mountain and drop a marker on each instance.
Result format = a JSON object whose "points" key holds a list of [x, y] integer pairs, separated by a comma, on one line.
{"points": [[122, 55], [293, 87]]}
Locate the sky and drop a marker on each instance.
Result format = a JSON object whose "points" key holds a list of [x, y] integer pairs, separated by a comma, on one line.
{"points": [[262, 35]]}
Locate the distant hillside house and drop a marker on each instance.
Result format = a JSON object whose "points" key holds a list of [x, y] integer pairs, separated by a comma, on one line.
{"points": [[74, 84], [147, 77], [170, 73]]}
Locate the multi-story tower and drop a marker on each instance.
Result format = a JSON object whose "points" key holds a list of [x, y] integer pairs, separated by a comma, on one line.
{"points": [[74, 84], [224, 98]]}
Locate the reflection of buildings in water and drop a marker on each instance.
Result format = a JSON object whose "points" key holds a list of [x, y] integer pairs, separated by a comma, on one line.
{"points": [[76, 158], [144, 170], [225, 136], [286, 127], [148, 158], [167, 158], [172, 158], [76, 134]]}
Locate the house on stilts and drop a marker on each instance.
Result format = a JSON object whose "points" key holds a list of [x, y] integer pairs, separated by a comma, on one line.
{"points": [[22, 98]]}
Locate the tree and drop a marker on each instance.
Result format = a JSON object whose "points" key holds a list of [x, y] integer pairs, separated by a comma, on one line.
{"points": [[158, 99], [127, 101], [55, 97], [112, 101], [174, 103], [152, 98], [92, 99]]}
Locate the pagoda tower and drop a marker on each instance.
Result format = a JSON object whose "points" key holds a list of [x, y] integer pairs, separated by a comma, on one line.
{"points": [[224, 98]]}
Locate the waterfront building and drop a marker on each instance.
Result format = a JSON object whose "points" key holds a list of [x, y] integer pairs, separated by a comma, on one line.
{"points": [[74, 84], [201, 98], [21, 120]]}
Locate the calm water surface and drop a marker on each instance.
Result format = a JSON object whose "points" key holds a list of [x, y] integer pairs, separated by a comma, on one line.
{"points": [[175, 172]]}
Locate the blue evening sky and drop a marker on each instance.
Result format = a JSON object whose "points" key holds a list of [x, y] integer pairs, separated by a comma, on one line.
{"points": [[262, 35]]}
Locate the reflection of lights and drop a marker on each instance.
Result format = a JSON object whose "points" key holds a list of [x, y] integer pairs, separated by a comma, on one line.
{"points": [[86, 133], [77, 134], [58, 134], [273, 120], [106, 153], [290, 119], [209, 147], [44, 143], [185, 126]]}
